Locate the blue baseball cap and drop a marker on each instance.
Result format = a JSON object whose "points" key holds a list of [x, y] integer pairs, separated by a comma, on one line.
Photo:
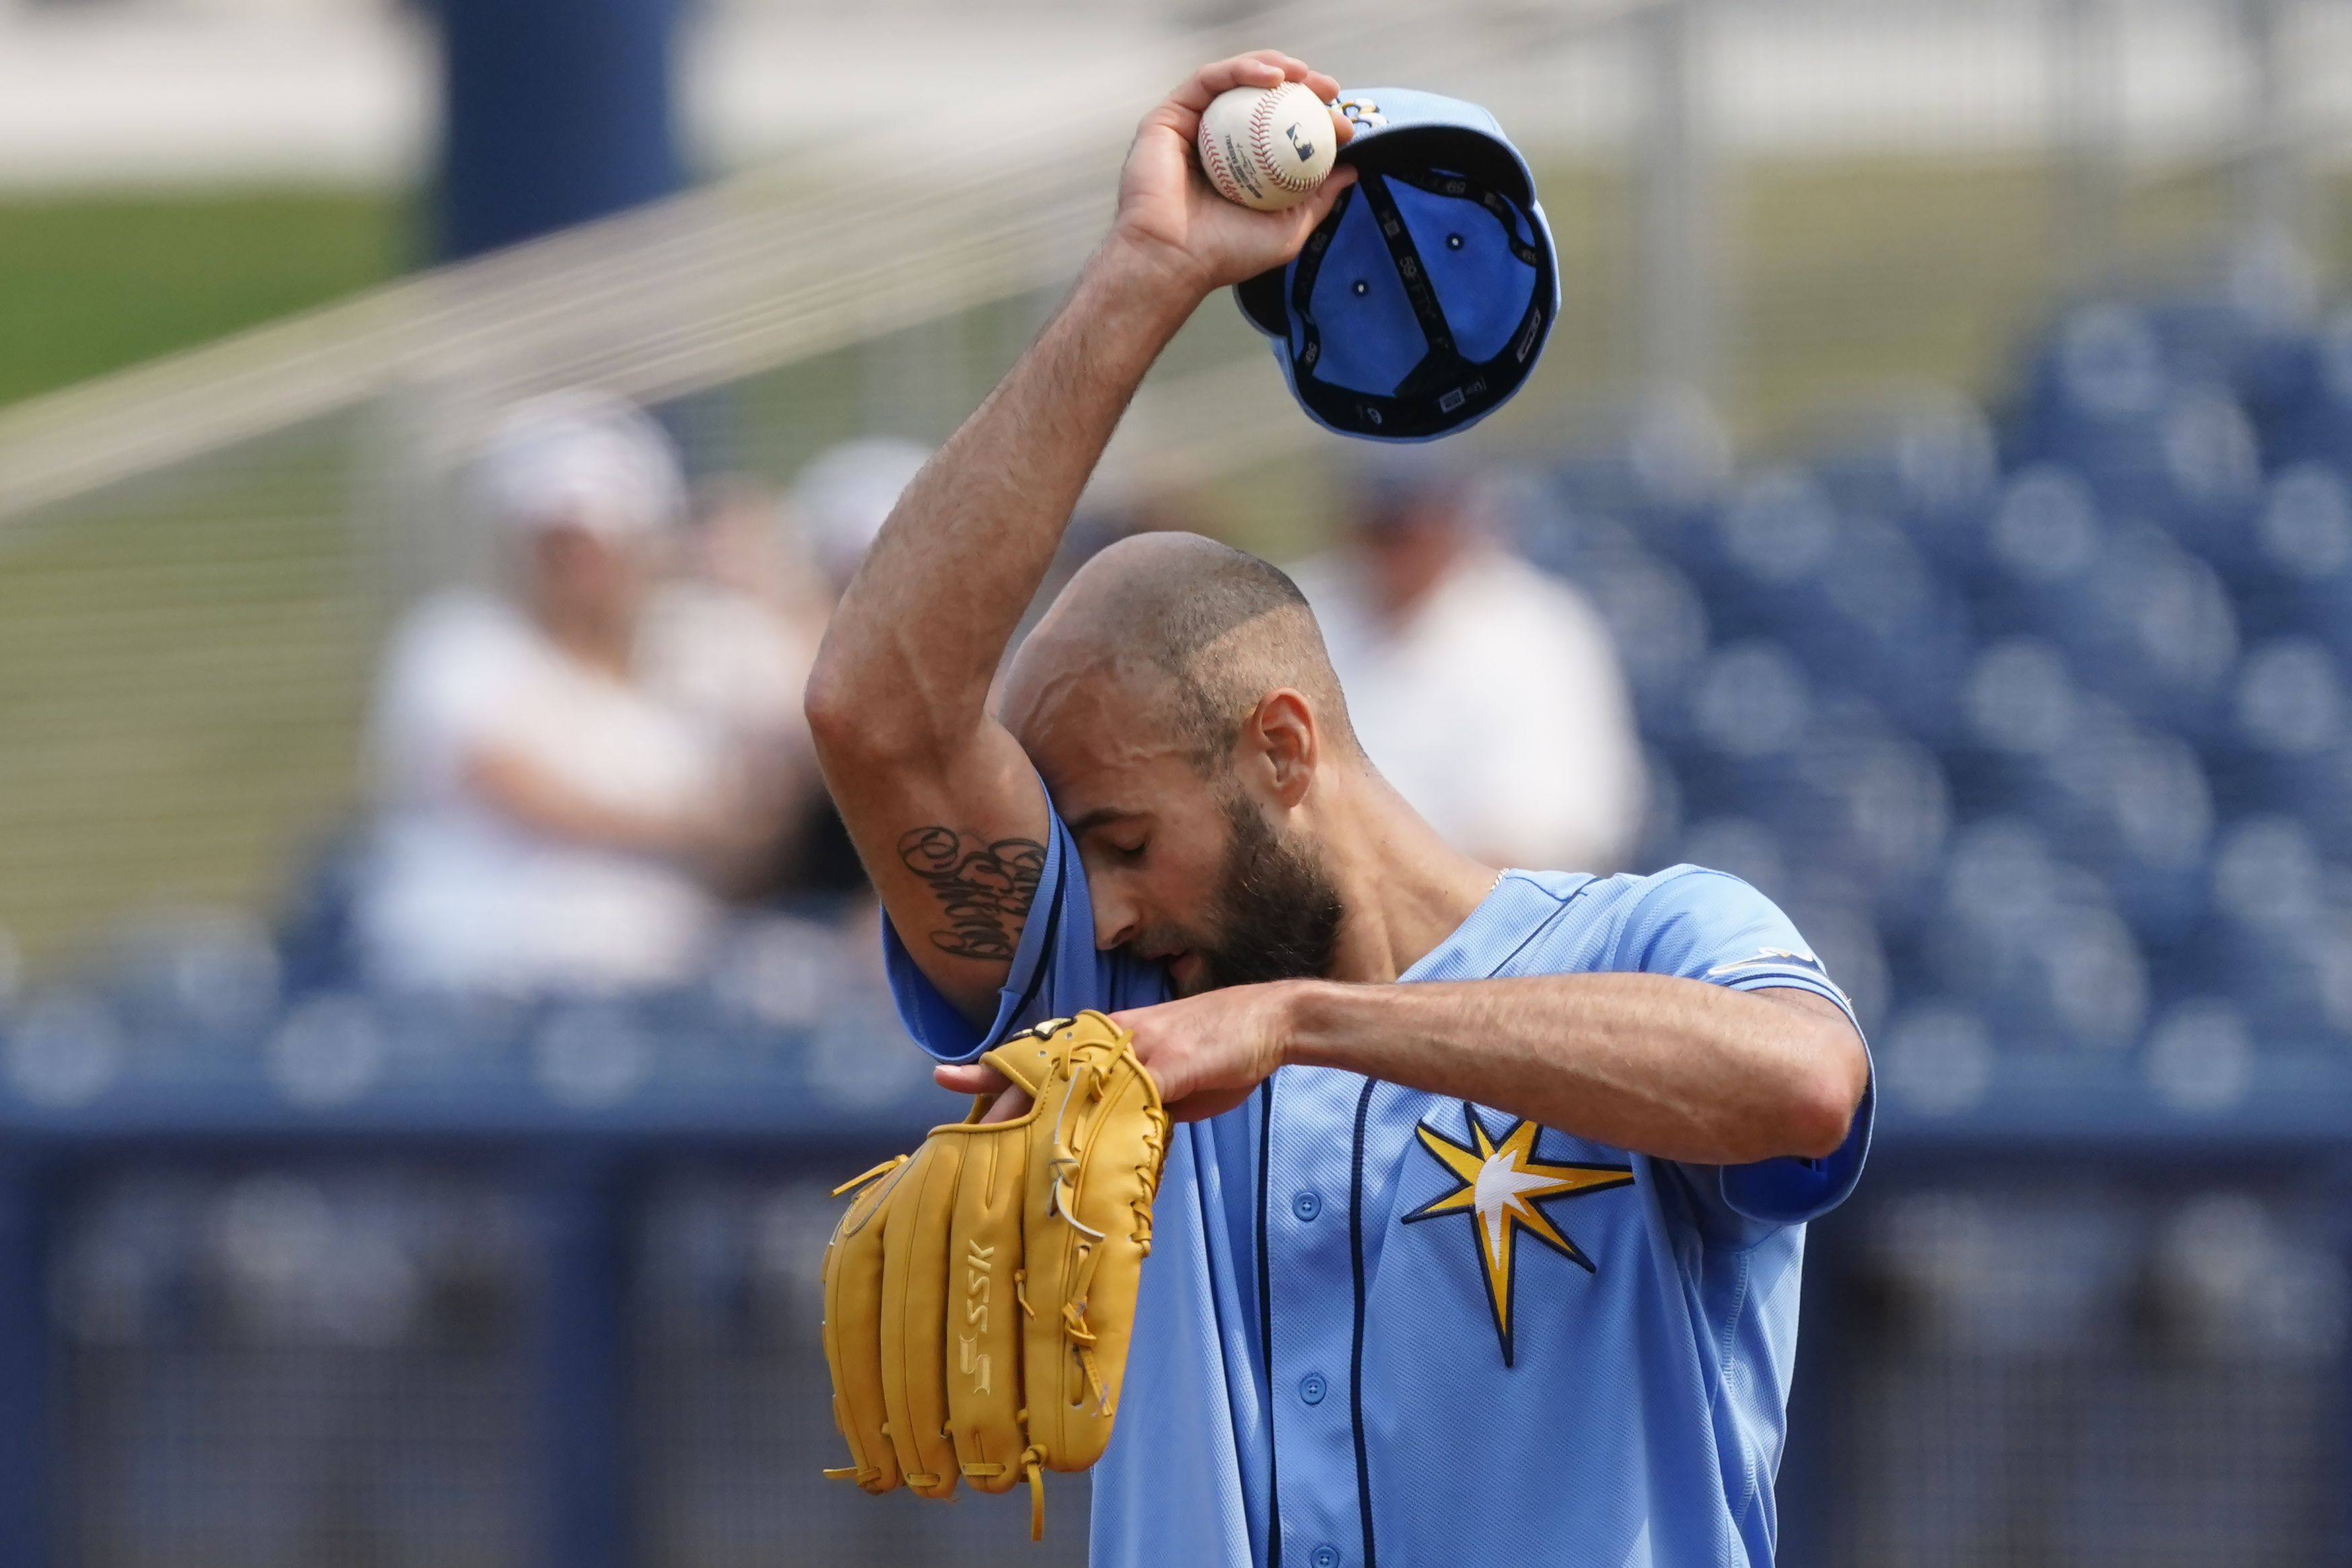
{"points": [[1421, 301]]}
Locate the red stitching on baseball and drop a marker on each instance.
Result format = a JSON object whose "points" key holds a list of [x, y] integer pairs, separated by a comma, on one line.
{"points": [[1220, 174], [1209, 163], [1262, 142]]}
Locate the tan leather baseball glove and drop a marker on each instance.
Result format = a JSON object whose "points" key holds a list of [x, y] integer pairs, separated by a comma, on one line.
{"points": [[980, 1292]]}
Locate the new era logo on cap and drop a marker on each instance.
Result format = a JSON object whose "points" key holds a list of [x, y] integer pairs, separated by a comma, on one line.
{"points": [[1420, 302]]}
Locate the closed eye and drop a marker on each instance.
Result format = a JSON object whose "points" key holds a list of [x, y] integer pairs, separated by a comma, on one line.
{"points": [[1115, 832]]}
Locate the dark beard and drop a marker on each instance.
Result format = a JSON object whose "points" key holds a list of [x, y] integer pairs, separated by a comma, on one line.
{"points": [[1277, 914]]}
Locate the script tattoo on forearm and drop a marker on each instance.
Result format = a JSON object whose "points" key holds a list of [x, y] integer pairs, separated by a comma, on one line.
{"points": [[984, 888]]}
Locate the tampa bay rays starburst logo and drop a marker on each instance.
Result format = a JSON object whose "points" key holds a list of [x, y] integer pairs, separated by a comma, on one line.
{"points": [[1503, 1188]]}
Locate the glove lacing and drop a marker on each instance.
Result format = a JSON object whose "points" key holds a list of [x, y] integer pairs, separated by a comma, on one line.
{"points": [[1031, 1458]]}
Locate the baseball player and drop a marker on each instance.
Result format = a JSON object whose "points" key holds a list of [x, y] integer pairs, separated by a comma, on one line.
{"points": [[1495, 1265]]}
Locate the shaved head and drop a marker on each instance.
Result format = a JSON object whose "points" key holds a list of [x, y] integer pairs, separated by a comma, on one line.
{"points": [[1206, 628], [1133, 695]]}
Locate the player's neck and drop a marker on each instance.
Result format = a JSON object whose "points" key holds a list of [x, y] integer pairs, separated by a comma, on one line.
{"points": [[1404, 889]]}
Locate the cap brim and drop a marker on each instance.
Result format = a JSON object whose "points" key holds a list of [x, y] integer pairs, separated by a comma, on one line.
{"points": [[1455, 148], [1260, 298]]}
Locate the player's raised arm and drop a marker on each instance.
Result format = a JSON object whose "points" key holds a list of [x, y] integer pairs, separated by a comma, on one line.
{"points": [[942, 804]]}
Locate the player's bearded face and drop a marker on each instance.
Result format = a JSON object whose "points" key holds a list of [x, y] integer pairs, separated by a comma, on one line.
{"points": [[1275, 914]]}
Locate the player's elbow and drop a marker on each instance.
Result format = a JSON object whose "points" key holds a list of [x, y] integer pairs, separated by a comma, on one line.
{"points": [[848, 723], [1823, 1100], [833, 708]]}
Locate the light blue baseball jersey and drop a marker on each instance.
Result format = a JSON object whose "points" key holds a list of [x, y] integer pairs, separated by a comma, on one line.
{"points": [[1384, 1327]]}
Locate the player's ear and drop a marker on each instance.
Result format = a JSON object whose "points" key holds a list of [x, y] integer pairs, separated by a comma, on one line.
{"points": [[1283, 732]]}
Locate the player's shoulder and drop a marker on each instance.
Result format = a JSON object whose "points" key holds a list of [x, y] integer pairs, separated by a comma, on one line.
{"points": [[1554, 922], [1692, 884], [1629, 913], [1675, 886], [1683, 893], [1690, 919]]}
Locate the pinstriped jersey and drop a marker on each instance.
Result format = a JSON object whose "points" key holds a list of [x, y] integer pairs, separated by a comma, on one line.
{"points": [[1385, 1326]]}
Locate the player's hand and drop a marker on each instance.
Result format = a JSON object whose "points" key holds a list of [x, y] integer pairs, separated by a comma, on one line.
{"points": [[979, 1078], [1167, 214], [1206, 1052]]}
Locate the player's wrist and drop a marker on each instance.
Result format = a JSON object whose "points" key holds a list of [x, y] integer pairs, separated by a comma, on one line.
{"points": [[1310, 1021], [1144, 273]]}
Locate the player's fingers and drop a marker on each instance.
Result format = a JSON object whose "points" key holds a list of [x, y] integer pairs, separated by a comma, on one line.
{"points": [[1263, 69], [1322, 87], [979, 1078], [1317, 208], [1292, 67], [1342, 126], [971, 1078], [1172, 1071], [1009, 1104]]}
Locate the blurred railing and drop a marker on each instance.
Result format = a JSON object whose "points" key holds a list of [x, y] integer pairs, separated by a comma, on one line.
{"points": [[342, 1281], [2048, 1337]]}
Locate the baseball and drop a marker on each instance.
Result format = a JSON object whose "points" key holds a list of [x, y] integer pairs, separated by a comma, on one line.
{"points": [[1267, 147]]}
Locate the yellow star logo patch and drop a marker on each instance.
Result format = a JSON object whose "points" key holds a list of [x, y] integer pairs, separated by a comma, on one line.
{"points": [[1503, 1185]]}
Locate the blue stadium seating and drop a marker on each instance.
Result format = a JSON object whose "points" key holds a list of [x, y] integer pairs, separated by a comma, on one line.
{"points": [[2045, 717]]}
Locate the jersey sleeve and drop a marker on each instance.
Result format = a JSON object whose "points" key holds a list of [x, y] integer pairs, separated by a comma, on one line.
{"points": [[1056, 969], [1708, 925]]}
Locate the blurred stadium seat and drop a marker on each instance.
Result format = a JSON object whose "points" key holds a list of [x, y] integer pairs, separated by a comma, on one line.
{"points": [[2048, 715], [2046, 1373], [280, 1367]]}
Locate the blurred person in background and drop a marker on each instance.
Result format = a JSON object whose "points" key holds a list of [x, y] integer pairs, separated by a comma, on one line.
{"points": [[731, 635], [842, 498], [551, 819], [1484, 689], [728, 640], [734, 641]]}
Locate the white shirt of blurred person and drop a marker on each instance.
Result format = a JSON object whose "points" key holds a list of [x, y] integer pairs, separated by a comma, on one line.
{"points": [[1485, 690], [731, 639], [545, 811], [844, 495], [733, 642]]}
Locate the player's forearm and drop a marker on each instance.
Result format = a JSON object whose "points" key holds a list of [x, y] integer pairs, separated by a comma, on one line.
{"points": [[1667, 1066], [908, 659]]}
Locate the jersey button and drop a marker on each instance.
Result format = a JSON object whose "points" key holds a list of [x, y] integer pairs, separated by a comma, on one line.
{"points": [[1312, 1388], [1326, 1556], [1306, 1205]]}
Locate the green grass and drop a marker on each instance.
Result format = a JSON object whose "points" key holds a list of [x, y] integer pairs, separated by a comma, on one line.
{"points": [[90, 284], [184, 662]]}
